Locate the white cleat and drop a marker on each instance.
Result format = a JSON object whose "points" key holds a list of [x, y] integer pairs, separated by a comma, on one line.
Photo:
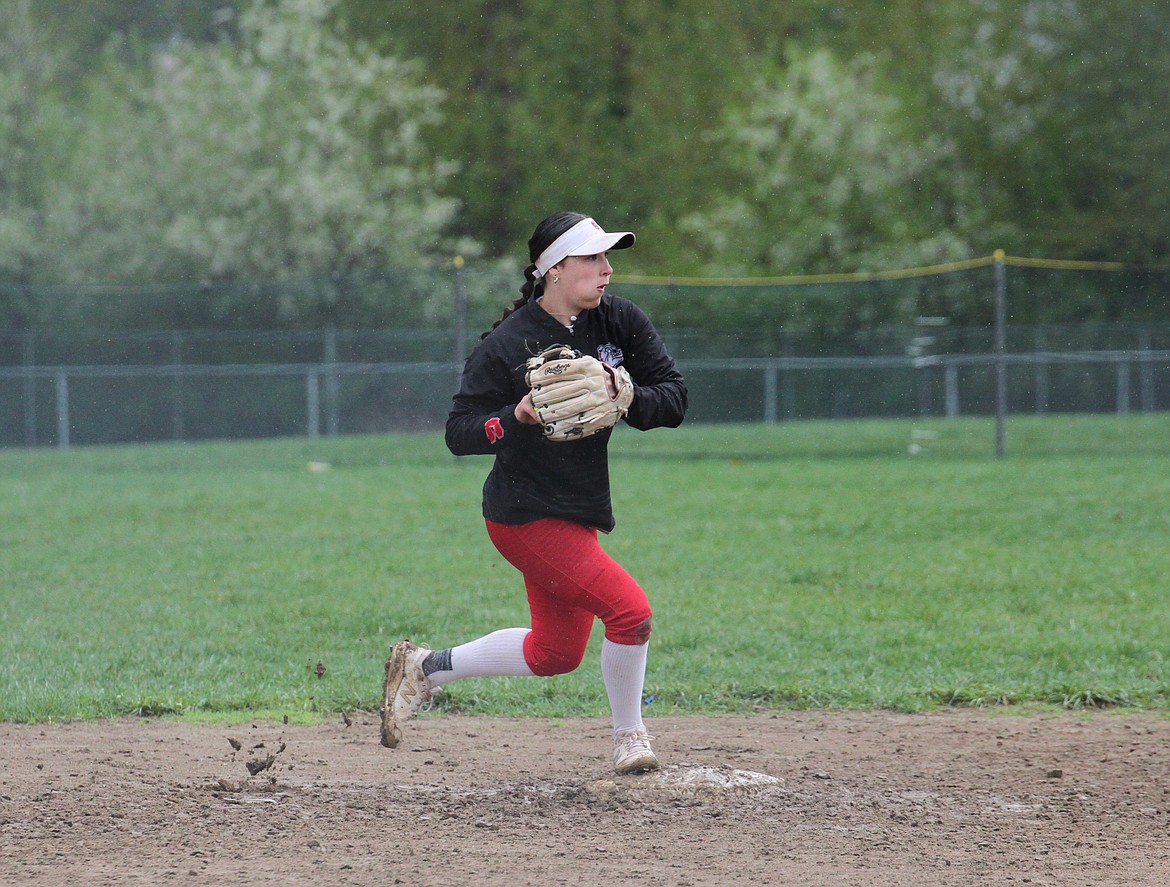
{"points": [[632, 752]]}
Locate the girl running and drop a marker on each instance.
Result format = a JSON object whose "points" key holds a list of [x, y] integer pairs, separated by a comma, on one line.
{"points": [[544, 501]]}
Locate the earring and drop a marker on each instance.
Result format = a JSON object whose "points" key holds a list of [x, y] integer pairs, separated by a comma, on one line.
{"points": [[555, 279]]}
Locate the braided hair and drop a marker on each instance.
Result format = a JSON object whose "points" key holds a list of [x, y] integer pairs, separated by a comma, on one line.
{"points": [[546, 232]]}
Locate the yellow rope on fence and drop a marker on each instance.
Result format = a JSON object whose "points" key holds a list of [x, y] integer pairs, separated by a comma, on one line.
{"points": [[1067, 264], [897, 274]]}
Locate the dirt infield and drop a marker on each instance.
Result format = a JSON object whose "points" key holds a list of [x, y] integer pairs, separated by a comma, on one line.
{"points": [[807, 798]]}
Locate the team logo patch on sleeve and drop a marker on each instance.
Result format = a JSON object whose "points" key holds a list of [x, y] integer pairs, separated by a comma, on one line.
{"points": [[610, 354], [494, 429]]}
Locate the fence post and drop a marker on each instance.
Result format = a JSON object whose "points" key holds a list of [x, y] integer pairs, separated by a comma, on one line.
{"points": [[951, 384], [178, 423], [313, 402], [918, 349], [1041, 348], [30, 389], [62, 410], [332, 384], [1000, 353], [460, 319], [1122, 386], [1146, 382], [771, 374], [788, 380]]}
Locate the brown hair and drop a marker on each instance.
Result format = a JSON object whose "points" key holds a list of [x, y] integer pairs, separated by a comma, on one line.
{"points": [[546, 232]]}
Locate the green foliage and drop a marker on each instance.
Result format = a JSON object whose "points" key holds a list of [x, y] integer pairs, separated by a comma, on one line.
{"points": [[1102, 136], [217, 140], [830, 177], [802, 565], [284, 151], [32, 128], [603, 112], [83, 28], [1055, 115]]}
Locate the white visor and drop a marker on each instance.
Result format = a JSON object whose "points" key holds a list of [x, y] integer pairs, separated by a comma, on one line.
{"points": [[586, 238]]}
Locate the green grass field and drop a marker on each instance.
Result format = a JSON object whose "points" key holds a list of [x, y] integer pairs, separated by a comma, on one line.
{"points": [[799, 565]]}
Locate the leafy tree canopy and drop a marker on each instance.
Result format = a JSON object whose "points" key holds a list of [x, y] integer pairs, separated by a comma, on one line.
{"points": [[211, 139], [286, 150]]}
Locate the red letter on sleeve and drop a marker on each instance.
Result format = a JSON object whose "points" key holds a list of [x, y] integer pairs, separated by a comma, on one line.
{"points": [[493, 429]]}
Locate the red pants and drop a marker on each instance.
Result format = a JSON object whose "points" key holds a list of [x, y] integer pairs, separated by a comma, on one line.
{"points": [[570, 580]]}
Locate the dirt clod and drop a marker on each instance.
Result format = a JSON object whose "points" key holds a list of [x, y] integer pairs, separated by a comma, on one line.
{"points": [[259, 765]]}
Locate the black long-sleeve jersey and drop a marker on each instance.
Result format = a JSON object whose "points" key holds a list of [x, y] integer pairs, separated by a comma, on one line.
{"points": [[532, 477]]}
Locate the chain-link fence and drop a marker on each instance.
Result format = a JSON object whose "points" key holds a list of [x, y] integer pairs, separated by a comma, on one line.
{"points": [[88, 388], [881, 345]]}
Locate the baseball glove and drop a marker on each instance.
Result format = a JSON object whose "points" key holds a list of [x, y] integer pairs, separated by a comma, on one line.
{"points": [[572, 393]]}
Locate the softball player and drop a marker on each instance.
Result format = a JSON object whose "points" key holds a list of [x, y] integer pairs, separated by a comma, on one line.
{"points": [[545, 501]]}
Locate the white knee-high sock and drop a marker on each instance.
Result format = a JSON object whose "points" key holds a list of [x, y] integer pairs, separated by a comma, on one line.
{"points": [[623, 668], [497, 654]]}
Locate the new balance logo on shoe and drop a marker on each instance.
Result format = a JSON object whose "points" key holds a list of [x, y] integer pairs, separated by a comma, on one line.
{"points": [[405, 690]]}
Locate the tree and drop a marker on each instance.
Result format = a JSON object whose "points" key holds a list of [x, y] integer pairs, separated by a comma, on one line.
{"points": [[601, 112], [1056, 108], [31, 129], [286, 151], [741, 139], [831, 177], [86, 26], [35, 132], [1102, 145]]}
